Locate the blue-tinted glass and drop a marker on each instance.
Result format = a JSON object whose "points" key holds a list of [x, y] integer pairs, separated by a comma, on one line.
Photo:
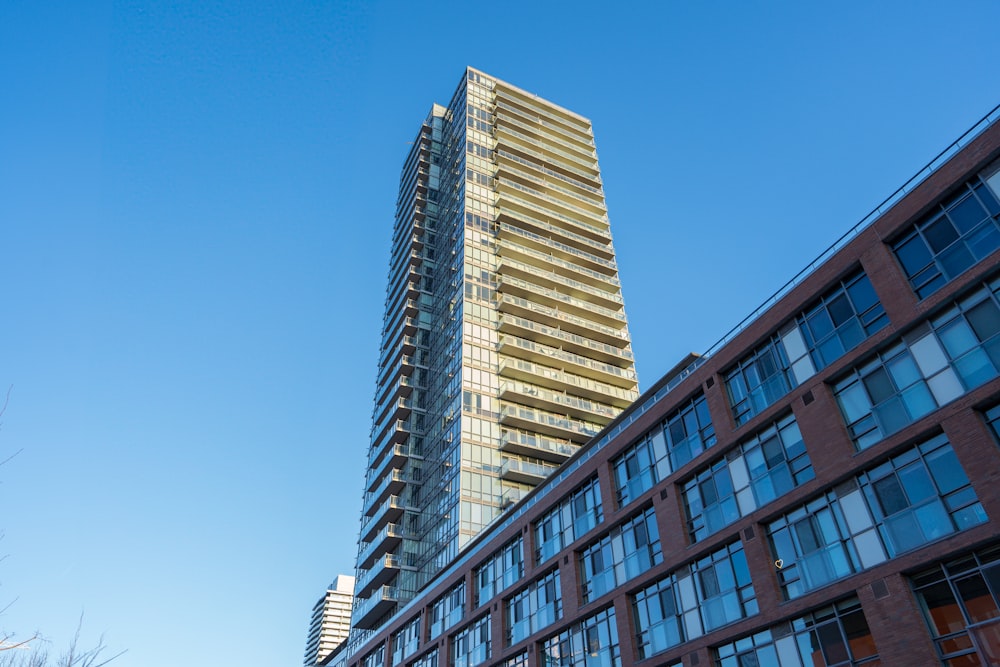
{"points": [[940, 234], [819, 323], [933, 520], [934, 280], [967, 215], [878, 385], [916, 482], [891, 415], [955, 260], [851, 334], [987, 198], [946, 470], [957, 338], [985, 319], [840, 309], [830, 350], [914, 255], [975, 368], [889, 493], [903, 370], [862, 294]]}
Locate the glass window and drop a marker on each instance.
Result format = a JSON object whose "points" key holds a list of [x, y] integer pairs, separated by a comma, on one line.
{"points": [[429, 659], [577, 514], [406, 642], [534, 608], [844, 316], [957, 233], [768, 465], [916, 497], [374, 659], [471, 646], [932, 365], [960, 598], [682, 436], [759, 380], [502, 569], [626, 552], [834, 635], [592, 642], [447, 610], [694, 600]]}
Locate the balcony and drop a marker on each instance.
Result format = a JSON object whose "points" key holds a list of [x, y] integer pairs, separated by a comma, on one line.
{"points": [[389, 511], [556, 249], [588, 177], [598, 370], [383, 542], [548, 423], [386, 485], [608, 299], [523, 214], [554, 378], [507, 134], [524, 472], [616, 356], [516, 305], [369, 610], [570, 123], [561, 403], [596, 223], [382, 572], [556, 299], [540, 166], [550, 263], [525, 443]]}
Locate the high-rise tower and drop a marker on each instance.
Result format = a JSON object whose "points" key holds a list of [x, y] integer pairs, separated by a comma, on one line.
{"points": [[330, 622], [505, 345]]}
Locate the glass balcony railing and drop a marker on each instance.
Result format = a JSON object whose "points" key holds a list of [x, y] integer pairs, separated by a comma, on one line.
{"points": [[586, 201], [584, 173], [586, 306], [593, 409], [548, 172], [554, 313], [601, 246], [525, 471], [543, 418], [566, 336], [599, 389], [553, 261], [601, 218], [561, 247], [533, 124], [576, 162], [536, 444], [549, 276], [569, 357]]}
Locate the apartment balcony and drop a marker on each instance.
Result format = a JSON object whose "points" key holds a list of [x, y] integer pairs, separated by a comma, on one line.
{"points": [[390, 484], [590, 203], [574, 288], [532, 351], [554, 248], [547, 262], [384, 571], [597, 223], [511, 496], [521, 307], [571, 342], [571, 123], [523, 393], [548, 423], [564, 302], [367, 611], [524, 472], [391, 511], [553, 378], [508, 135], [516, 209], [383, 542], [505, 157], [545, 135], [572, 171], [535, 445]]}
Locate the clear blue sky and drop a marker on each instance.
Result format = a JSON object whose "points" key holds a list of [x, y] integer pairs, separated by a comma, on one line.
{"points": [[196, 199]]}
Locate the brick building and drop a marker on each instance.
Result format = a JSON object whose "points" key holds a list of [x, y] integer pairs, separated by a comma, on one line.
{"points": [[820, 488]]}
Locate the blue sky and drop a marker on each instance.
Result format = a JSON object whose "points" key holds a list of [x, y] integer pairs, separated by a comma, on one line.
{"points": [[196, 199]]}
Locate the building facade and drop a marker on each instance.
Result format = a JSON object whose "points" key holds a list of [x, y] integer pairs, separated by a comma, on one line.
{"points": [[330, 623], [820, 488], [505, 345]]}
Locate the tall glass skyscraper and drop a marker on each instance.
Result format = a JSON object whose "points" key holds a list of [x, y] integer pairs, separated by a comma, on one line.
{"points": [[505, 344]]}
